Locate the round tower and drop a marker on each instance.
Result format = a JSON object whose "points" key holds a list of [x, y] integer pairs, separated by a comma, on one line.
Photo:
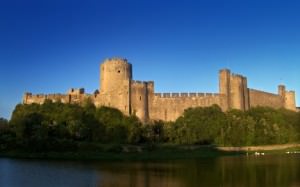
{"points": [[113, 73], [115, 78]]}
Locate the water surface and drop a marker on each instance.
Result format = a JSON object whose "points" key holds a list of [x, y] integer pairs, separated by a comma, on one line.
{"points": [[270, 170]]}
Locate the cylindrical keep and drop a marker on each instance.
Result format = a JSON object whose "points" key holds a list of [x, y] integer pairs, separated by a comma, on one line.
{"points": [[114, 72]]}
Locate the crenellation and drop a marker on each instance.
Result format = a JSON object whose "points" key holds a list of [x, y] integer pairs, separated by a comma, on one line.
{"points": [[193, 94], [235, 75], [74, 91], [133, 97], [167, 95], [184, 94]]}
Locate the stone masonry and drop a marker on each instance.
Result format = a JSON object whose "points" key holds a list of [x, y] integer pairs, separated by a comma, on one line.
{"points": [[119, 90]]}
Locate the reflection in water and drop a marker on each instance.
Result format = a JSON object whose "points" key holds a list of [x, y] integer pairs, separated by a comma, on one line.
{"points": [[28, 173], [276, 170]]}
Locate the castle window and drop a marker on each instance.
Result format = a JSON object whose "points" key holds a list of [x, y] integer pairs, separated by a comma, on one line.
{"points": [[140, 98], [119, 71]]}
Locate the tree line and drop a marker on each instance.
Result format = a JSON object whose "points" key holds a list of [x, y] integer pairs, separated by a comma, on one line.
{"points": [[62, 127]]}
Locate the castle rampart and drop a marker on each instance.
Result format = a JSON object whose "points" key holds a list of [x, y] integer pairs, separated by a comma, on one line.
{"points": [[170, 108], [185, 94], [261, 98], [118, 90]]}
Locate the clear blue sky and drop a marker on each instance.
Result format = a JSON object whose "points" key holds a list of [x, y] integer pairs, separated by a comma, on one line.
{"points": [[50, 46]]}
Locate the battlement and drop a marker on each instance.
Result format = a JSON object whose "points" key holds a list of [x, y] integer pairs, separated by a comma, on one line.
{"points": [[290, 91], [234, 75], [136, 82], [116, 60], [185, 94], [72, 96], [74, 91]]}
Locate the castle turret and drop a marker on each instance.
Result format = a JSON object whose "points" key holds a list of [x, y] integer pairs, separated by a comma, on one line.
{"points": [[239, 92], [290, 102], [281, 91], [115, 77], [234, 88], [224, 87], [113, 73], [25, 97], [288, 98], [139, 100]]}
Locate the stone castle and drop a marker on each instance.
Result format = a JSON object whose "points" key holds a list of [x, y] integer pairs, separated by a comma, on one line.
{"points": [[119, 90]]}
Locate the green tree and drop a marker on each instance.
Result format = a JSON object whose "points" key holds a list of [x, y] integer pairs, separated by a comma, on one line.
{"points": [[198, 125], [239, 130], [113, 123]]}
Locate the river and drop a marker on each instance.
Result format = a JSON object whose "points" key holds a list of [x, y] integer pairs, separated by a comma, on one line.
{"points": [[268, 170]]}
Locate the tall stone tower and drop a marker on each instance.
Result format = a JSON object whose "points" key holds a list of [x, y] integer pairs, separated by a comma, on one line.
{"points": [[235, 89], [288, 97], [115, 78], [224, 86], [290, 102]]}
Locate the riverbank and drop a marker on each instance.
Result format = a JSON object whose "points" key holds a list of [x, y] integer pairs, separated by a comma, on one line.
{"points": [[152, 152], [127, 152], [260, 148]]}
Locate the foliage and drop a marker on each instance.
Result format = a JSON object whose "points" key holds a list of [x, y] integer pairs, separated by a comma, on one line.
{"points": [[198, 126], [66, 127], [258, 126]]}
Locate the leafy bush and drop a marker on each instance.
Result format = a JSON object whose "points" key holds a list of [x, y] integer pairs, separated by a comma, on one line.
{"points": [[69, 127]]}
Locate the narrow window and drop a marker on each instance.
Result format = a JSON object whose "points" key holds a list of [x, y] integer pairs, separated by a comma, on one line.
{"points": [[140, 98]]}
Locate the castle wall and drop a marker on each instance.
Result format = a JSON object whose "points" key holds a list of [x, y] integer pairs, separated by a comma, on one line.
{"points": [[64, 98], [260, 98], [169, 106], [29, 98]]}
